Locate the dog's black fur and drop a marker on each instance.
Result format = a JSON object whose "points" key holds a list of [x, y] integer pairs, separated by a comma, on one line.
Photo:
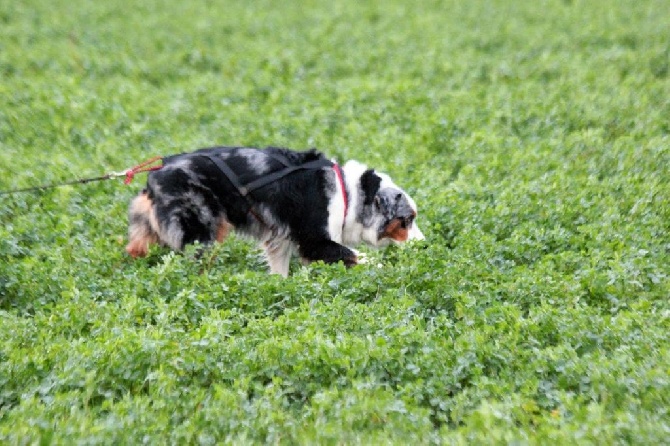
{"points": [[192, 200]]}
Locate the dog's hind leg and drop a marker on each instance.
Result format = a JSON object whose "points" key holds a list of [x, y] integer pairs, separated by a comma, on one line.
{"points": [[142, 229], [278, 253], [184, 221]]}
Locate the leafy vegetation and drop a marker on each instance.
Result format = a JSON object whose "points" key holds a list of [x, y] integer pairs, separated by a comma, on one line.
{"points": [[533, 135]]}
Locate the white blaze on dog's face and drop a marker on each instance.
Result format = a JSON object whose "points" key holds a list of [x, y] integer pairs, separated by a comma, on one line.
{"points": [[384, 213]]}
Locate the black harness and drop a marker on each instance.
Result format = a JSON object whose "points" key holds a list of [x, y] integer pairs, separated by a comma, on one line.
{"points": [[245, 189]]}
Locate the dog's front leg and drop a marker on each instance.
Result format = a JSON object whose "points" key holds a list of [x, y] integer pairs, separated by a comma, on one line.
{"points": [[328, 251]]}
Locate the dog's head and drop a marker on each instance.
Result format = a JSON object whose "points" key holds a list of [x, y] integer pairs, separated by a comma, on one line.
{"points": [[387, 212]]}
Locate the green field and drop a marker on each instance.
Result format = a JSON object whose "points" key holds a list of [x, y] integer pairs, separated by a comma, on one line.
{"points": [[534, 136]]}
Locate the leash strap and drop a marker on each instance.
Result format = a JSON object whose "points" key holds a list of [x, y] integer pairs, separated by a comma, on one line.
{"points": [[129, 174], [67, 183]]}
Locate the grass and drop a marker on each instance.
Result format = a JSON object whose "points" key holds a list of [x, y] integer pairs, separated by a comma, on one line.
{"points": [[534, 137]]}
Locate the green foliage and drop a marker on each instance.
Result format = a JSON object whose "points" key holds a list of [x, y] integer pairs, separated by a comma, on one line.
{"points": [[533, 135]]}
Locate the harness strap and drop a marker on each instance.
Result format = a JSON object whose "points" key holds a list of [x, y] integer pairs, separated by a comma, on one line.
{"points": [[245, 189], [235, 181], [274, 176], [281, 158], [227, 172]]}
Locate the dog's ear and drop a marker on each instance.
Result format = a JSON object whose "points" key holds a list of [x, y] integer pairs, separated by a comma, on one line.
{"points": [[370, 182]]}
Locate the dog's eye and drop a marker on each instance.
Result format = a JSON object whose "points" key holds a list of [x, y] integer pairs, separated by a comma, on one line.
{"points": [[406, 222]]}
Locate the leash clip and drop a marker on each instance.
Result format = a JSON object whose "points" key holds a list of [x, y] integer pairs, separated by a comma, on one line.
{"points": [[144, 167]]}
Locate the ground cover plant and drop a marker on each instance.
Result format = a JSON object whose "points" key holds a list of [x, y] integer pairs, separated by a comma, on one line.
{"points": [[533, 136]]}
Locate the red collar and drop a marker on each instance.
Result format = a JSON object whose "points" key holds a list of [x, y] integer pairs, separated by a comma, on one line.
{"points": [[340, 178]]}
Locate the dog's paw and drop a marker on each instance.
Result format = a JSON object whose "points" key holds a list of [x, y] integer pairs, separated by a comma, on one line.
{"points": [[362, 258], [368, 260]]}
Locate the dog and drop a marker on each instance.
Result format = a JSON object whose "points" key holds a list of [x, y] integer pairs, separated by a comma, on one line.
{"points": [[291, 202]]}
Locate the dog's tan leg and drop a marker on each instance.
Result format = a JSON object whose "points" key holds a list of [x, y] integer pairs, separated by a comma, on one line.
{"points": [[278, 253], [142, 228]]}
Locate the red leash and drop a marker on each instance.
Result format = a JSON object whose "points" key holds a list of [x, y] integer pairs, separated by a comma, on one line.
{"points": [[130, 173]]}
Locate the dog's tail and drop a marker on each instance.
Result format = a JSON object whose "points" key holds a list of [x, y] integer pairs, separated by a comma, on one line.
{"points": [[143, 227]]}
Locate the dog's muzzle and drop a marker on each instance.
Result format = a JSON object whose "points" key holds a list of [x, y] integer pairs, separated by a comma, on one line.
{"points": [[398, 215]]}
